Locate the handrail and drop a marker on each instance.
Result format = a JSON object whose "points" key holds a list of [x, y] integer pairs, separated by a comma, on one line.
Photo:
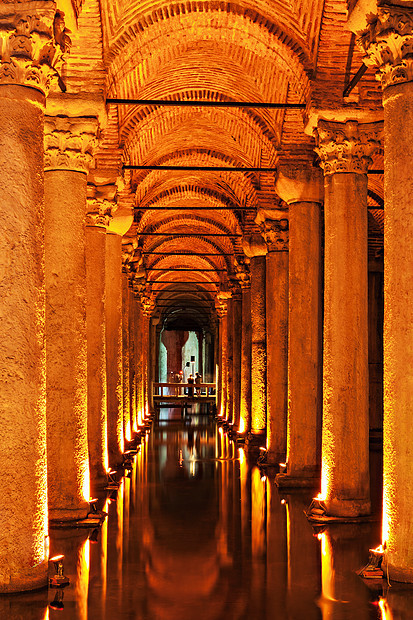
{"points": [[176, 389]]}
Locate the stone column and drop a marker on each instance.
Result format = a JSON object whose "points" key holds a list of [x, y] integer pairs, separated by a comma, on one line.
{"points": [[96, 223], [23, 517], [275, 233], [256, 249], [345, 150], [133, 359], [68, 146], [302, 189], [127, 427], [236, 355], [222, 309], [388, 43], [244, 279], [114, 347], [229, 362]]}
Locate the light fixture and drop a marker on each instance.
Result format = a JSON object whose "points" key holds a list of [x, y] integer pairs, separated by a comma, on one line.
{"points": [[112, 483], [94, 535], [59, 580], [373, 569]]}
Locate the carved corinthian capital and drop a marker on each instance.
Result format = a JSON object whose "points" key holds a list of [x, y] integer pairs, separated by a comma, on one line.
{"points": [[69, 143], [99, 212], [347, 147], [242, 274], [388, 44], [28, 50], [276, 234]]}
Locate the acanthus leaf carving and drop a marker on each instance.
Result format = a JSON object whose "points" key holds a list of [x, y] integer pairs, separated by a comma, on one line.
{"points": [[69, 143], [388, 44], [276, 234], [347, 147], [99, 212]]}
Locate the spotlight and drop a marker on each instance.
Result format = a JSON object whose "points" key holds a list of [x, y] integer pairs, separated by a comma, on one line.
{"points": [[58, 580], [94, 535], [112, 483], [57, 602], [283, 467], [373, 569]]}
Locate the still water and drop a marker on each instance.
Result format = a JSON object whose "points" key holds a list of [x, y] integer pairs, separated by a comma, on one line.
{"points": [[196, 533]]}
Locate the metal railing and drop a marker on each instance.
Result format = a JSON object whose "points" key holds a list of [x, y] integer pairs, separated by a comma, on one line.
{"points": [[200, 390]]}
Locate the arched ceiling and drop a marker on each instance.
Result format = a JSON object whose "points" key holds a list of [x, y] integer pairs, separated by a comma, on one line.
{"points": [[188, 224]]}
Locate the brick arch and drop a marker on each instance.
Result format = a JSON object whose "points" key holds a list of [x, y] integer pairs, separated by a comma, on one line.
{"points": [[174, 244], [186, 223], [232, 133]]}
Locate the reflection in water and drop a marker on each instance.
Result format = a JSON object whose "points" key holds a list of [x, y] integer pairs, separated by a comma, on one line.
{"points": [[196, 533]]}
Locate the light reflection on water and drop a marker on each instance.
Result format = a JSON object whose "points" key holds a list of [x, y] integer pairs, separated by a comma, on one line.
{"points": [[196, 533]]}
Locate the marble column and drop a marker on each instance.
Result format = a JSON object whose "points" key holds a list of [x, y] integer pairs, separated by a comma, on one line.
{"points": [[236, 355], [96, 223], [114, 348], [222, 363], [229, 362], [23, 517], [275, 233], [244, 280], [133, 359], [345, 149], [388, 43], [127, 427], [68, 155], [302, 189], [256, 249]]}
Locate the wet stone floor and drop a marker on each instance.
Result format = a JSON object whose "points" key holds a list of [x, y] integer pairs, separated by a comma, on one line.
{"points": [[196, 533]]}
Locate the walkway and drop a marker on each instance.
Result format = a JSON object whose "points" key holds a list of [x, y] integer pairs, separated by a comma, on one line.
{"points": [[197, 534]]}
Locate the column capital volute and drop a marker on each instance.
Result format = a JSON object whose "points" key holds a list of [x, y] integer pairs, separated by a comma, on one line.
{"points": [[34, 39], [386, 37], [300, 184], [69, 142], [348, 146]]}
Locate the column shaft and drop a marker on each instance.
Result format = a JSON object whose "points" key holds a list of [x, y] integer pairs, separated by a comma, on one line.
{"points": [[96, 352], [23, 522], [127, 428], [229, 362], [398, 329], [114, 347], [345, 462], [66, 346], [245, 381], [258, 346], [277, 354], [304, 344], [236, 357]]}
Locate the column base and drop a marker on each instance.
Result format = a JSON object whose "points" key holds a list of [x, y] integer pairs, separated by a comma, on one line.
{"points": [[339, 511], [68, 515], [287, 481], [402, 575], [28, 579]]}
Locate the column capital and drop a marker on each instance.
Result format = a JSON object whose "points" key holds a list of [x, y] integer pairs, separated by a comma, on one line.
{"points": [[276, 233], [69, 143], [300, 184], [253, 246], [388, 43], [242, 274], [348, 146], [129, 247], [99, 212], [34, 38]]}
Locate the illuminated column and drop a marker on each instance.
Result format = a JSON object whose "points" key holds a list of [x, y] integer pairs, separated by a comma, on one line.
{"points": [[388, 44], [236, 355], [243, 277], [68, 146], [230, 357], [114, 347], [96, 223], [125, 356], [153, 354], [23, 517], [302, 189], [133, 358], [256, 249], [222, 307], [345, 150], [275, 233]]}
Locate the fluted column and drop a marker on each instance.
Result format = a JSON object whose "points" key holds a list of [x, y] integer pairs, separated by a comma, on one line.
{"points": [[275, 233], [256, 249], [68, 146], [23, 85], [388, 43], [345, 150], [96, 224], [302, 189], [114, 347]]}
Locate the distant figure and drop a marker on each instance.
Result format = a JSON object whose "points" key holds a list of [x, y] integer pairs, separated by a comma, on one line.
{"points": [[172, 380], [178, 379], [198, 381], [191, 382]]}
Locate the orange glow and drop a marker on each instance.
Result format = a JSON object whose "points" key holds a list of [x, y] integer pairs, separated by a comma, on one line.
{"points": [[320, 497], [242, 426], [258, 509], [128, 432], [241, 454], [86, 481], [46, 614], [386, 613], [82, 582]]}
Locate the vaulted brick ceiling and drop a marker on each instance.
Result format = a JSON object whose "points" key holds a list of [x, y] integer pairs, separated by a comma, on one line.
{"points": [[247, 50]]}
